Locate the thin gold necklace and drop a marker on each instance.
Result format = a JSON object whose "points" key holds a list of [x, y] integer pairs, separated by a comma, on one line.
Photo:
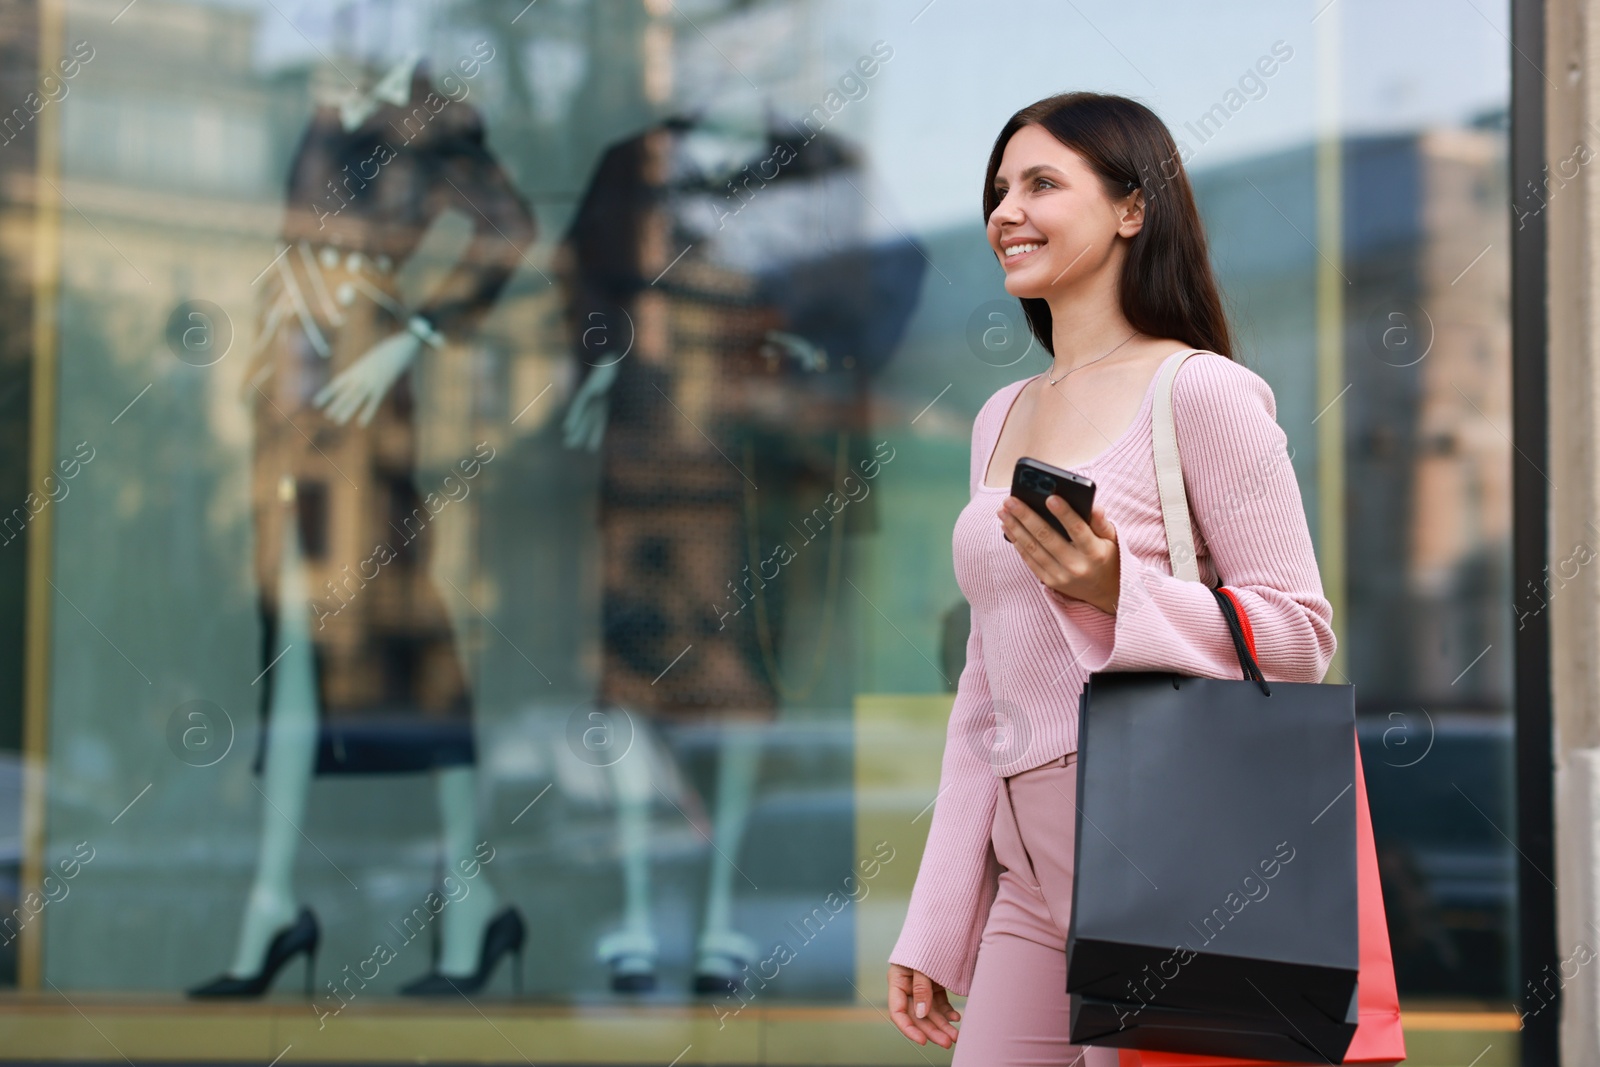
{"points": [[1051, 381]]}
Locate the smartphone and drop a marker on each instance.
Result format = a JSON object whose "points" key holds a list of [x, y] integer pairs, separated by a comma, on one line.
{"points": [[1033, 482]]}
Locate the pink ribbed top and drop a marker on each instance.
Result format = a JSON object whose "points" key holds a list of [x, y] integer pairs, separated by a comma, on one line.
{"points": [[1031, 649]]}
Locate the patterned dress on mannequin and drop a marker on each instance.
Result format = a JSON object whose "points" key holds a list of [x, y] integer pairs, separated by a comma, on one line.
{"points": [[366, 183], [719, 443]]}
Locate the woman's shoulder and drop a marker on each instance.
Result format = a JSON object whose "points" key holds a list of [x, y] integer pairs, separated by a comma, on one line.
{"points": [[1209, 385]]}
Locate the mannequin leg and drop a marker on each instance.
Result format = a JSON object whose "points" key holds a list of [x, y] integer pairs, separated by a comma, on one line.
{"points": [[738, 762], [464, 918], [291, 748], [631, 951], [632, 777]]}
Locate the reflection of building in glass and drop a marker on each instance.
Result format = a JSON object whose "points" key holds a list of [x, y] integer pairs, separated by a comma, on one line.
{"points": [[1432, 439], [1427, 475], [1427, 491], [166, 194], [1461, 504]]}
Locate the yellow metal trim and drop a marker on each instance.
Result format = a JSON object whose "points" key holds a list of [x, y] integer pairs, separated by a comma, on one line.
{"points": [[41, 458], [489, 1031], [1330, 327], [1461, 1020]]}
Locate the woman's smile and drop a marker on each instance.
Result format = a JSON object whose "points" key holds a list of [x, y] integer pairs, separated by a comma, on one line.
{"points": [[1016, 250]]}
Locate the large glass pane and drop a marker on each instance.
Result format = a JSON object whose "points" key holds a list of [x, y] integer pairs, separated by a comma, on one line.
{"points": [[502, 466]]}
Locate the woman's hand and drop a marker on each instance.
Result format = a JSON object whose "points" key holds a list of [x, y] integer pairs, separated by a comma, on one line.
{"points": [[363, 385], [920, 1007], [1086, 568]]}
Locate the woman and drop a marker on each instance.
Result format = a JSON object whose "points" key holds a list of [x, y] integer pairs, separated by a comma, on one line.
{"points": [[1093, 221]]}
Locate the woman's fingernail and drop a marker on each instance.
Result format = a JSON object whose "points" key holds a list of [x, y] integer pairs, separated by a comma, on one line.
{"points": [[922, 1010]]}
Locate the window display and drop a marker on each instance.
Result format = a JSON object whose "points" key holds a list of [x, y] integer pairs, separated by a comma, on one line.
{"points": [[502, 464]]}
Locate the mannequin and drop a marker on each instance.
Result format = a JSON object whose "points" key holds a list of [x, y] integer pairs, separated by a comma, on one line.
{"points": [[767, 328], [361, 673]]}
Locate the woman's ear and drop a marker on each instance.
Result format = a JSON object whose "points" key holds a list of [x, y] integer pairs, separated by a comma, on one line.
{"points": [[1131, 209]]}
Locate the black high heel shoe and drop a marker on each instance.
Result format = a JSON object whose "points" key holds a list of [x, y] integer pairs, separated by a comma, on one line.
{"points": [[504, 933], [302, 935]]}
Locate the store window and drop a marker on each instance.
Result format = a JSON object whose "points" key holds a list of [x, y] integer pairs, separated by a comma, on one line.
{"points": [[501, 467]]}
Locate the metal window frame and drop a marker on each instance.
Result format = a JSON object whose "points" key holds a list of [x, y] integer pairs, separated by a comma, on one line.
{"points": [[1535, 756]]}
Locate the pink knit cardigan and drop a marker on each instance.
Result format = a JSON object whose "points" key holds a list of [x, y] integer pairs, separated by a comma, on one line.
{"points": [[1031, 649]]}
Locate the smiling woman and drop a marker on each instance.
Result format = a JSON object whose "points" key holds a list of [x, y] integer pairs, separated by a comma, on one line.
{"points": [[1083, 138], [1118, 288]]}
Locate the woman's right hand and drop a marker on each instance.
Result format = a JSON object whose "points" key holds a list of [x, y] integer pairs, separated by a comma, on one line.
{"points": [[920, 1007]]}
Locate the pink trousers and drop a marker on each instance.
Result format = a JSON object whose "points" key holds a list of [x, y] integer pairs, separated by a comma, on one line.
{"points": [[1016, 1013]]}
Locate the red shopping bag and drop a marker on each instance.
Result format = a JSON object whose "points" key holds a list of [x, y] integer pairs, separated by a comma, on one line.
{"points": [[1378, 1039]]}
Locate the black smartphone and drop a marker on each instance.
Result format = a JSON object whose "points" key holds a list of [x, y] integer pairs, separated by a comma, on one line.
{"points": [[1033, 482]]}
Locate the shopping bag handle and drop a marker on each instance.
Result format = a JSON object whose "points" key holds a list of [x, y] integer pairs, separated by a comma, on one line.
{"points": [[1241, 644]]}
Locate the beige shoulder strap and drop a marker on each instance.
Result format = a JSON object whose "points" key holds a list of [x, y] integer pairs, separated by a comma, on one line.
{"points": [[1169, 474]]}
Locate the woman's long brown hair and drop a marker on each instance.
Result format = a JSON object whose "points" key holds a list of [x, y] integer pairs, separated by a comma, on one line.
{"points": [[1167, 288]]}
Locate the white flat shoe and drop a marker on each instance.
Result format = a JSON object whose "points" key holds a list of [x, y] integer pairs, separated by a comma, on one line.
{"points": [[631, 955], [721, 958]]}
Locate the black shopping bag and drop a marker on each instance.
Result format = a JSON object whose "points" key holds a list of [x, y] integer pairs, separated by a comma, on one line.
{"points": [[1214, 901]]}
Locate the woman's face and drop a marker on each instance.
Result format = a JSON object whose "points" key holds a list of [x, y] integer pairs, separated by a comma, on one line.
{"points": [[1054, 225]]}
